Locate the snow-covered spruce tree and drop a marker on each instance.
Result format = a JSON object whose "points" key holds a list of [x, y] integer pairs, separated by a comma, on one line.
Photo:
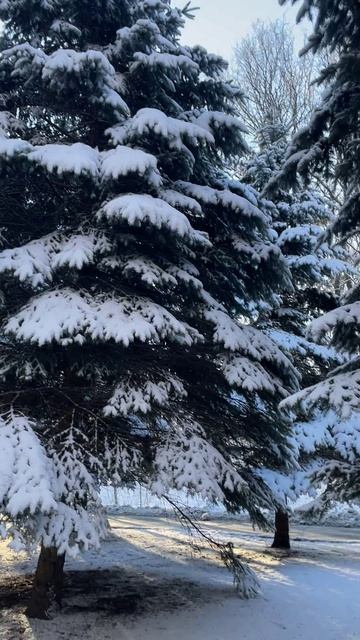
{"points": [[241, 269], [129, 272], [328, 412], [300, 216]]}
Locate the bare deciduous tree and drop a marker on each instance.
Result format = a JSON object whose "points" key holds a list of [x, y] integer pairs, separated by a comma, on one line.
{"points": [[276, 82]]}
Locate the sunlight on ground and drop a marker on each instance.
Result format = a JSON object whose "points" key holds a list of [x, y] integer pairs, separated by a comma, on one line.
{"points": [[172, 541], [8, 556], [13, 560], [182, 590]]}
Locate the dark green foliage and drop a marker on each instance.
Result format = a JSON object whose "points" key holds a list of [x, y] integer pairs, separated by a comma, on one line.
{"points": [[330, 144]]}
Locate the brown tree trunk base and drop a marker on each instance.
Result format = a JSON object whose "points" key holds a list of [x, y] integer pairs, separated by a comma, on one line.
{"points": [[48, 583], [282, 535]]}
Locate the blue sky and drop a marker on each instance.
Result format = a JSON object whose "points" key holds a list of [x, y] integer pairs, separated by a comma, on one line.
{"points": [[220, 23]]}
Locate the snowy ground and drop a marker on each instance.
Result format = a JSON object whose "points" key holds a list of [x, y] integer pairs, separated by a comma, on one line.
{"points": [[147, 583], [140, 501]]}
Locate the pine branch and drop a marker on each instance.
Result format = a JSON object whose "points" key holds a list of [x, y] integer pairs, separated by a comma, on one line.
{"points": [[188, 11], [245, 580]]}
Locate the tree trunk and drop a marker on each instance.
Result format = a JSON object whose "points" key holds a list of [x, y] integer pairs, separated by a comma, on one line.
{"points": [[282, 536], [48, 583], [116, 498]]}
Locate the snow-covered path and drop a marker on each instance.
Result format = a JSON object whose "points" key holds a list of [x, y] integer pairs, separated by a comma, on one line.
{"points": [[313, 594]]}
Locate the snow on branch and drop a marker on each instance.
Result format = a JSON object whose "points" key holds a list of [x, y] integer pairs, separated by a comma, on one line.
{"points": [[131, 397], [26, 473], [249, 342], [167, 62], [10, 124], [339, 392], [137, 209], [67, 317], [346, 316], [218, 120], [75, 158], [294, 344], [91, 69], [151, 273], [154, 121], [249, 376], [64, 28], [194, 464], [123, 161], [256, 250], [180, 201], [80, 159], [36, 261], [10, 147], [328, 433], [223, 198], [72, 530], [43, 492], [320, 267]]}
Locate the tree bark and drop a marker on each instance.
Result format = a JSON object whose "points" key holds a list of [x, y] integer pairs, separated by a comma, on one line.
{"points": [[282, 535], [116, 498], [48, 583]]}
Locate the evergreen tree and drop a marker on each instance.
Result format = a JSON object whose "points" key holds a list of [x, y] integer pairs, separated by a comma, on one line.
{"points": [[130, 270], [300, 216], [328, 411]]}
